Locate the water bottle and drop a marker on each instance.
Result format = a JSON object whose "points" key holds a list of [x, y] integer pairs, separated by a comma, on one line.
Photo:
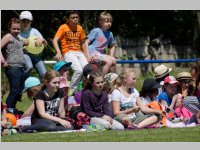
{"points": [[80, 85]]}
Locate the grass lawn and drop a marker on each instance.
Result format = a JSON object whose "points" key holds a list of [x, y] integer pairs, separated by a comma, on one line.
{"points": [[145, 135]]}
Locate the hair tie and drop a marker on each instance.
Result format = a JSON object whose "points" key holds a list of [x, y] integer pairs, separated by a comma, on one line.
{"points": [[88, 76]]}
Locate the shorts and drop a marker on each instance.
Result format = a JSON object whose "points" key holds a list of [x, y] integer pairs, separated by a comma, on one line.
{"points": [[99, 56]]}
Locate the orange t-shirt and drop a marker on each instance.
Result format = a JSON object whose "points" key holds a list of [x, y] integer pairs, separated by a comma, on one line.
{"points": [[70, 41]]}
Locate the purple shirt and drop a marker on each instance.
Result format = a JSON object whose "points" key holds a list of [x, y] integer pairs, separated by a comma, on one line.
{"points": [[94, 105]]}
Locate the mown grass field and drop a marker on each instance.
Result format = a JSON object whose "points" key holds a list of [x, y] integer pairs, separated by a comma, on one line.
{"points": [[145, 135]]}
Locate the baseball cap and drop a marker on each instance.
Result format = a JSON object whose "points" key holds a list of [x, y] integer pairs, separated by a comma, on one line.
{"points": [[31, 82], [150, 84], [61, 64], [26, 15], [169, 80]]}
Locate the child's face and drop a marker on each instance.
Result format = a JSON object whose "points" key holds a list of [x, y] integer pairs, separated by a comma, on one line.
{"points": [[171, 89], [153, 94], [53, 85], [130, 80], [98, 84], [25, 24], [33, 91], [15, 29], [105, 24], [73, 19], [185, 83], [64, 72]]}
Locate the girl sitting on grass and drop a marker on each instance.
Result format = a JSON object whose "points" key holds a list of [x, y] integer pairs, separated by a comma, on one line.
{"points": [[94, 102], [126, 103], [49, 114]]}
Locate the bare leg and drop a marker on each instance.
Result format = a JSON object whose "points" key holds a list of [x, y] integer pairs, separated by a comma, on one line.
{"points": [[109, 61], [147, 121]]}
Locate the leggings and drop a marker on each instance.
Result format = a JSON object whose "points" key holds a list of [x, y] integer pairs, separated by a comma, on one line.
{"points": [[44, 125]]}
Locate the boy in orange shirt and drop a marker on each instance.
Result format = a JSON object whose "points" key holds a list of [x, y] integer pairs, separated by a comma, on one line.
{"points": [[71, 35]]}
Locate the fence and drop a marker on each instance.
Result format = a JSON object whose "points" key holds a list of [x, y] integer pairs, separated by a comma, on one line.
{"points": [[145, 61]]}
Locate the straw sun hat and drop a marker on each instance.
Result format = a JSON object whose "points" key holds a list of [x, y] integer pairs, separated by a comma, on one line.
{"points": [[161, 70], [183, 76]]}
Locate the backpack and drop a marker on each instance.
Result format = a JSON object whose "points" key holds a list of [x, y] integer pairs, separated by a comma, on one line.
{"points": [[183, 112], [156, 105]]}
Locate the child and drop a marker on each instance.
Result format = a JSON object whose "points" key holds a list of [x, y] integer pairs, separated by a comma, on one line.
{"points": [[14, 62], [94, 102], [161, 72], [98, 40], [126, 102], [179, 109], [26, 32], [71, 35], [169, 90], [32, 87], [49, 114], [149, 90], [185, 82], [62, 68]]}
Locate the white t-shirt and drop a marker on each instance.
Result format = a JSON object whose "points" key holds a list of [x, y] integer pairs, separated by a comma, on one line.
{"points": [[146, 100], [125, 102]]}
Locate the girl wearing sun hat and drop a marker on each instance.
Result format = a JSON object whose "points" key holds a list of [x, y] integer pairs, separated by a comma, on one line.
{"points": [[185, 81]]}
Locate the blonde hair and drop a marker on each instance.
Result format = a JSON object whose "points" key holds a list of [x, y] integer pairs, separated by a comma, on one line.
{"points": [[124, 74], [49, 75], [105, 16]]}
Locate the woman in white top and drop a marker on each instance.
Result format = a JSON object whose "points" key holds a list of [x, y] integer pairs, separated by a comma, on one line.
{"points": [[126, 103]]}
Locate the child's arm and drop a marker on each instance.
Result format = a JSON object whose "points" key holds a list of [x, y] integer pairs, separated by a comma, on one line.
{"points": [[29, 111], [146, 109], [4, 41], [56, 46], [117, 111], [174, 99], [112, 50], [85, 48], [61, 110]]}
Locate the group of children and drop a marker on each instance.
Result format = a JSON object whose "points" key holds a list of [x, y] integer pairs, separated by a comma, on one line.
{"points": [[108, 100]]}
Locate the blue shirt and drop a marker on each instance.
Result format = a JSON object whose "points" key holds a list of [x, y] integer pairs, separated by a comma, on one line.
{"points": [[30, 32], [100, 40], [163, 96]]}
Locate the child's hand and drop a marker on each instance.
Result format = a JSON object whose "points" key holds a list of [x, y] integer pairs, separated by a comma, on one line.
{"points": [[58, 57], [135, 109], [65, 123], [38, 42], [26, 42], [44, 42], [5, 64]]}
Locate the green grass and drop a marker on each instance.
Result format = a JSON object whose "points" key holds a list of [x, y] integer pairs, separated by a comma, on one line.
{"points": [[145, 135]]}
